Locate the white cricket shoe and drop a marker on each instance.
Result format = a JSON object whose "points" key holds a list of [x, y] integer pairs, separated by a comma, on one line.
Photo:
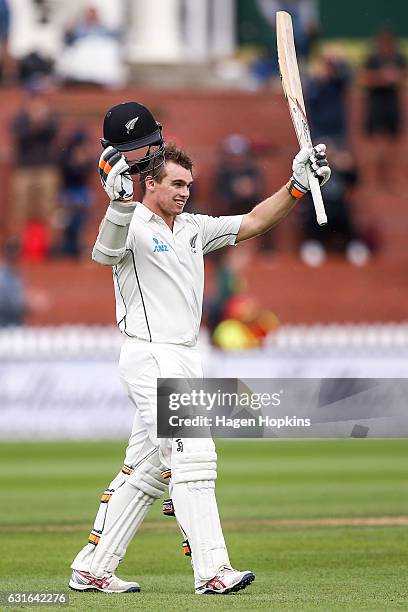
{"points": [[226, 581], [84, 581]]}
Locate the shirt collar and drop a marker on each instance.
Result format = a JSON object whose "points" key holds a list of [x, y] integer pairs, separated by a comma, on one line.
{"points": [[179, 223], [147, 215], [143, 212]]}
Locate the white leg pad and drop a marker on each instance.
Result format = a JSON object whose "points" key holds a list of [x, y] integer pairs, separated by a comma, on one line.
{"points": [[125, 515], [195, 506], [130, 496]]}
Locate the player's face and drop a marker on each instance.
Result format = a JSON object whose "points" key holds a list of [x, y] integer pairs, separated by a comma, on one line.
{"points": [[172, 193]]}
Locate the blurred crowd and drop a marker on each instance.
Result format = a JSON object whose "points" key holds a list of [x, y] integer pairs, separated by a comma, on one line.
{"points": [[51, 190], [53, 166], [48, 48]]}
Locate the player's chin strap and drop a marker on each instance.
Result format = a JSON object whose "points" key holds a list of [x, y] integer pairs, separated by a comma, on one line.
{"points": [[153, 168], [155, 160], [192, 488], [123, 507]]}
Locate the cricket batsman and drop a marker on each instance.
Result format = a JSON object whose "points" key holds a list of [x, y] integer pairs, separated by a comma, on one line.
{"points": [[156, 251]]}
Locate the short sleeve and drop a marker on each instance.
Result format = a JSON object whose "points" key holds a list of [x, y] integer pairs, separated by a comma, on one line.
{"points": [[217, 232]]}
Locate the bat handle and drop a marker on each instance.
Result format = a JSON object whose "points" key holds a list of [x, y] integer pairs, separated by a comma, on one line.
{"points": [[317, 197]]}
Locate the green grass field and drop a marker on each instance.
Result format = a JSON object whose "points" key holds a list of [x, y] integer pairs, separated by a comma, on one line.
{"points": [[279, 501]]}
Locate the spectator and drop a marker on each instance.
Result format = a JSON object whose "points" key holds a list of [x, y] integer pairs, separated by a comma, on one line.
{"points": [[89, 25], [239, 181], [325, 96], [34, 128], [245, 324], [12, 294], [263, 68], [76, 165], [341, 234], [35, 41], [93, 53], [35, 70], [383, 76]]}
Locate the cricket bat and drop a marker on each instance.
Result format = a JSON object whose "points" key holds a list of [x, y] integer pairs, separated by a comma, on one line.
{"points": [[292, 88]]}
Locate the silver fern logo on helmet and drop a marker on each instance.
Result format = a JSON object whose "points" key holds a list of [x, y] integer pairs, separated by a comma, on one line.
{"points": [[131, 124]]}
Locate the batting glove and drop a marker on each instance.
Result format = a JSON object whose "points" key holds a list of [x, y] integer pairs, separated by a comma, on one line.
{"points": [[316, 158], [115, 179]]}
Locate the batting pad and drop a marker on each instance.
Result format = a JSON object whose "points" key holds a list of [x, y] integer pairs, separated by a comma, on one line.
{"points": [[122, 509], [196, 511], [194, 471]]}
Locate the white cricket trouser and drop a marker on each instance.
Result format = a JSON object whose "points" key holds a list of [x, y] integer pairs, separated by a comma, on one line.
{"points": [[140, 365]]}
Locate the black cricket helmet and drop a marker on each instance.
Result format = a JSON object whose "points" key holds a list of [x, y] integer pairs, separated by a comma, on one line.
{"points": [[130, 126]]}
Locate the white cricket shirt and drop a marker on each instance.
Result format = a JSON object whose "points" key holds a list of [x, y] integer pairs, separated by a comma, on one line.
{"points": [[159, 283]]}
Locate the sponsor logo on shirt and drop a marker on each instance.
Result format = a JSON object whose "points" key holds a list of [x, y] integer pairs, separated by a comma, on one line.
{"points": [[193, 241], [159, 246]]}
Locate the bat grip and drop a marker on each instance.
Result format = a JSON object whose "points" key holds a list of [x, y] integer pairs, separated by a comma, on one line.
{"points": [[317, 197]]}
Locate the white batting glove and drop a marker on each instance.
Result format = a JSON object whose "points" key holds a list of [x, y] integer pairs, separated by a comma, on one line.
{"points": [[316, 158], [115, 179]]}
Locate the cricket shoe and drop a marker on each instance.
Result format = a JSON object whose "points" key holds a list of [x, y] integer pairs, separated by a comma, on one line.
{"points": [[226, 581], [84, 581]]}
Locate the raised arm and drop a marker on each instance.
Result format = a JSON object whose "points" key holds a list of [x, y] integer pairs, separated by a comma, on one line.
{"points": [[110, 243], [268, 213]]}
